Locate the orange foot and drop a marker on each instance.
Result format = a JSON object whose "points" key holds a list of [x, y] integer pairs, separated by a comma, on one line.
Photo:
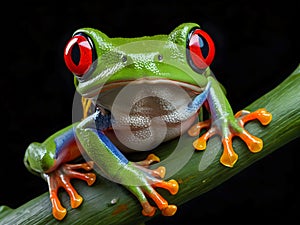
{"points": [[227, 129], [61, 178], [149, 180]]}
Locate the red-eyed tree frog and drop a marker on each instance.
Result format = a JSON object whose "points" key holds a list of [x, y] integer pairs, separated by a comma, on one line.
{"points": [[154, 68]]}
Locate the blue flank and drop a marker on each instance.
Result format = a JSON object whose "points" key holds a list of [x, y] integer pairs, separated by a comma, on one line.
{"points": [[103, 122], [112, 148], [62, 140]]}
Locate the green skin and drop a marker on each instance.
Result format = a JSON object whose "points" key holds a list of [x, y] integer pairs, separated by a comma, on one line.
{"points": [[110, 68], [174, 68], [172, 47], [40, 157]]}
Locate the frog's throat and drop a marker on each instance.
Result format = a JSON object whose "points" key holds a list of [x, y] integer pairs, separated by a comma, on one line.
{"points": [[149, 81]]}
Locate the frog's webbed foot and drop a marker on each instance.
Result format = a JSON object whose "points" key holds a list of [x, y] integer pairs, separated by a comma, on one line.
{"points": [[227, 129], [149, 180], [60, 178]]}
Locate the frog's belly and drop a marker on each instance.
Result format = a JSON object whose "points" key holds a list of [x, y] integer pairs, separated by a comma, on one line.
{"points": [[144, 116]]}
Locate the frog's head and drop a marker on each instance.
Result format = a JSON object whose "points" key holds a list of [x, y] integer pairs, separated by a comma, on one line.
{"points": [[100, 63]]}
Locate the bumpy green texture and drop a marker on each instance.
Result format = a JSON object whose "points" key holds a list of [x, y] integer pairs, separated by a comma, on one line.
{"points": [[109, 203], [142, 52]]}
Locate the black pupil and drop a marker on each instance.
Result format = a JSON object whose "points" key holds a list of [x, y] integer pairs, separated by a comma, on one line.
{"points": [[203, 45], [75, 54]]}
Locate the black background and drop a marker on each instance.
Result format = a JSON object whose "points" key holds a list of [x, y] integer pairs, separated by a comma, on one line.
{"points": [[256, 49]]}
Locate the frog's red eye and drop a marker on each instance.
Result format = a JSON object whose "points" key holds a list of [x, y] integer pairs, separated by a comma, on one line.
{"points": [[200, 50], [79, 54]]}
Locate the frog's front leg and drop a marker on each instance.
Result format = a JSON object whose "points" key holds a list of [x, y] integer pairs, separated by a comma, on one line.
{"points": [[227, 125], [135, 176]]}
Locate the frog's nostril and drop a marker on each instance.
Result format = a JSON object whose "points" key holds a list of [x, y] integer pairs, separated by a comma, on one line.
{"points": [[160, 58], [124, 58]]}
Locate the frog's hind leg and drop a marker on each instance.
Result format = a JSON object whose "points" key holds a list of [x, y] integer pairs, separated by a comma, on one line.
{"points": [[60, 178]]}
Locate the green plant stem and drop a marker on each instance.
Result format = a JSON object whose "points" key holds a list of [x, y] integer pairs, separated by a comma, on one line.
{"points": [[97, 208]]}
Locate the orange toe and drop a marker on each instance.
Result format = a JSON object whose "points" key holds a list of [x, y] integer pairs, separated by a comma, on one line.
{"points": [[169, 211], [58, 211], [148, 210], [229, 157], [264, 116], [254, 144]]}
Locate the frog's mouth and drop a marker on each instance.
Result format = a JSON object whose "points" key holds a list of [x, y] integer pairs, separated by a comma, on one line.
{"points": [[108, 87]]}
